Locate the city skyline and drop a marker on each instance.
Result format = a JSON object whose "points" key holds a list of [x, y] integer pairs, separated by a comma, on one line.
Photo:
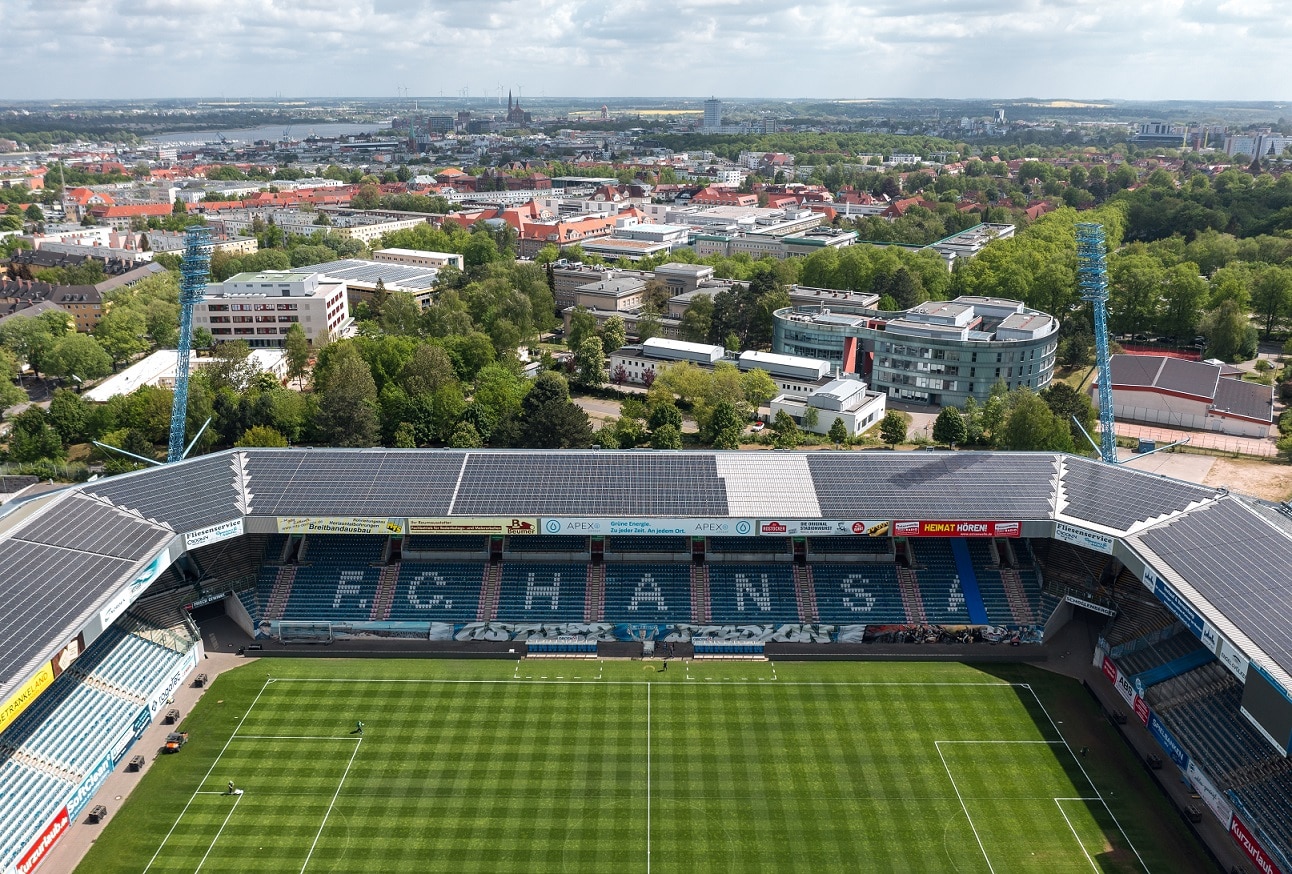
{"points": [[1096, 49]]}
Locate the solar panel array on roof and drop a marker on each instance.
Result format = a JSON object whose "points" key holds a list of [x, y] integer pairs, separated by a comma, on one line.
{"points": [[1240, 563], [362, 483], [43, 589], [186, 496], [591, 484], [912, 485], [78, 522], [1118, 497]]}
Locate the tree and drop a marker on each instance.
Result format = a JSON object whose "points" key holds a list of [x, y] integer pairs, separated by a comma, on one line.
{"points": [[550, 420], [297, 351], [29, 339], [666, 436], [400, 315], [590, 363], [1183, 294], [725, 426], [838, 432], [1033, 426], [32, 438], [1066, 403], [123, 333], [231, 365], [665, 413], [1226, 331], [347, 412], [261, 435], [648, 325], [1272, 296], [613, 335], [949, 427], [10, 394], [697, 320], [971, 414], [582, 324], [892, 428], [69, 415], [758, 387], [785, 433], [78, 356]]}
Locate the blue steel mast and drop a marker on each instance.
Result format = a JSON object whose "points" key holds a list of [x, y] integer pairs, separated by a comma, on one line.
{"points": [[1092, 269], [195, 270]]}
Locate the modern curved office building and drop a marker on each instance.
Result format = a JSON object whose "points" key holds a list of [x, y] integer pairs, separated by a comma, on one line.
{"points": [[938, 353]]}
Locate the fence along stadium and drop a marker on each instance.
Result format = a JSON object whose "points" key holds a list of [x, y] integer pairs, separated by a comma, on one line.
{"points": [[565, 551]]}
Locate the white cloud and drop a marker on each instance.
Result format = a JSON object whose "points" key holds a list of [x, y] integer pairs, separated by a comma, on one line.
{"points": [[1196, 49]]}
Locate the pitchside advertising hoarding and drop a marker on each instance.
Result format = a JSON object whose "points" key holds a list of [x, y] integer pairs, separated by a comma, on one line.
{"points": [[339, 525], [956, 528], [1081, 537], [1210, 795], [1167, 742], [50, 835], [824, 527], [649, 527], [510, 527], [94, 778], [166, 688], [1252, 847]]}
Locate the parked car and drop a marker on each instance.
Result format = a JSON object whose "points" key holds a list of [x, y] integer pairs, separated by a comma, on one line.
{"points": [[758, 426]]}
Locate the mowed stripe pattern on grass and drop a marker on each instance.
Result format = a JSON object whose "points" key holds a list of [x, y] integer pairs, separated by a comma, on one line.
{"points": [[544, 776]]}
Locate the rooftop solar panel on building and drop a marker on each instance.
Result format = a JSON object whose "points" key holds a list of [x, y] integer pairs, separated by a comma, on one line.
{"points": [[78, 522], [1239, 562], [948, 485], [356, 483], [1119, 497], [185, 496], [43, 589], [591, 484]]}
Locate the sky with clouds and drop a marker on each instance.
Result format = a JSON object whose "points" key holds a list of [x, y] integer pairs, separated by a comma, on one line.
{"points": [[1129, 49]]}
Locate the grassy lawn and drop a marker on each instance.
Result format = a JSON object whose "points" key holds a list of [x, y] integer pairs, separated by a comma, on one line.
{"points": [[594, 766]]}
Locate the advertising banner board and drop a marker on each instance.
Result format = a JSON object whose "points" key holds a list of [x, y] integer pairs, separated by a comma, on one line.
{"points": [[511, 527], [66, 656], [27, 693], [94, 778], [694, 527], [1167, 741], [339, 525], [45, 841], [953, 528], [823, 527], [1174, 602], [213, 534], [1212, 796], [1081, 537], [1252, 847], [117, 605]]}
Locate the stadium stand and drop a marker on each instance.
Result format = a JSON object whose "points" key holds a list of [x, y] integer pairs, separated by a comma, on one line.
{"points": [[439, 592], [534, 592], [849, 594], [27, 796], [939, 582], [336, 580], [648, 592], [833, 546], [744, 593], [648, 543], [547, 543], [748, 544], [1176, 645]]}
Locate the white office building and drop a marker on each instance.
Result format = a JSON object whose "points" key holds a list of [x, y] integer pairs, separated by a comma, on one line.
{"points": [[261, 308]]}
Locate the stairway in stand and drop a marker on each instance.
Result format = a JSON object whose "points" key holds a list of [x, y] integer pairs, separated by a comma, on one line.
{"points": [[490, 589], [1018, 603], [281, 592], [700, 594], [911, 598], [594, 599], [385, 593], [805, 593]]}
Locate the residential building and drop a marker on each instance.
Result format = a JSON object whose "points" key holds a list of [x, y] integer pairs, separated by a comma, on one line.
{"points": [[261, 307], [712, 115]]}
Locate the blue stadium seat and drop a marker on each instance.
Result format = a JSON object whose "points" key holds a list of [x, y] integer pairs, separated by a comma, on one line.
{"points": [[752, 593], [858, 594], [439, 592], [27, 798], [648, 543], [542, 592], [337, 580], [944, 600], [445, 543], [849, 545], [648, 592]]}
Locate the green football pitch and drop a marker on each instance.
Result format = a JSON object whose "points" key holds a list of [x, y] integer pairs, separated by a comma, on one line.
{"points": [[598, 766]]}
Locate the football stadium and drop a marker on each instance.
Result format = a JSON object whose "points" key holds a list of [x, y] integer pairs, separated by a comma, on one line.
{"points": [[440, 660]]}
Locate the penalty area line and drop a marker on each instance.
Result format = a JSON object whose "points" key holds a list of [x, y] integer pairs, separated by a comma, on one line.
{"points": [[331, 804], [937, 745], [1073, 829]]}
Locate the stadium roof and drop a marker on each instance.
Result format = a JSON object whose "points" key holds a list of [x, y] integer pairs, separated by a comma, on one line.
{"points": [[75, 549]]}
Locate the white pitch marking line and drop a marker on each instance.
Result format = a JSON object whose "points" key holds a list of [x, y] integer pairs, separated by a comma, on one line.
{"points": [[236, 801], [1073, 828], [295, 737], [207, 776], [1077, 759], [648, 685], [938, 746], [331, 804]]}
